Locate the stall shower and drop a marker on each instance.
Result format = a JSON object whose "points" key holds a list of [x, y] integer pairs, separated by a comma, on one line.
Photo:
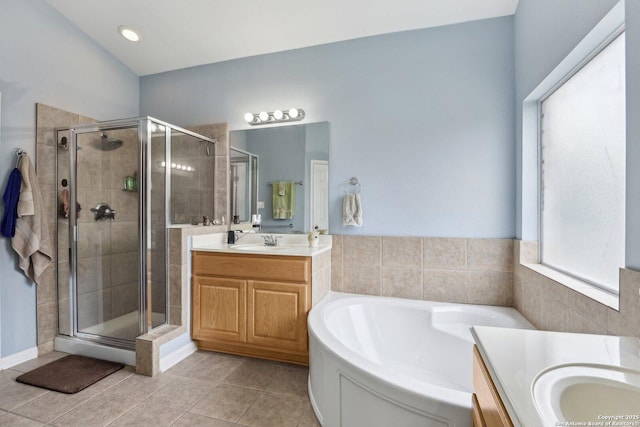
{"points": [[121, 185]]}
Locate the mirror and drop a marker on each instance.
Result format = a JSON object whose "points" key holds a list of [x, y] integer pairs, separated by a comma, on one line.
{"points": [[243, 182], [290, 167]]}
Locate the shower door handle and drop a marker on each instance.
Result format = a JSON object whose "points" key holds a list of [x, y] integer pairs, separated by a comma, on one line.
{"points": [[76, 234]]}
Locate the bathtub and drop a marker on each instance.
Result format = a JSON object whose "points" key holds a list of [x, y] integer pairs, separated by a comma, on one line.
{"points": [[377, 361]]}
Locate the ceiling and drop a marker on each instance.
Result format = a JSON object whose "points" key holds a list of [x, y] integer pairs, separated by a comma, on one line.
{"points": [[179, 34]]}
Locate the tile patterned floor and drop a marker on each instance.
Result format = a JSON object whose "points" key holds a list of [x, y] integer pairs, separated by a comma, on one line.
{"points": [[205, 389]]}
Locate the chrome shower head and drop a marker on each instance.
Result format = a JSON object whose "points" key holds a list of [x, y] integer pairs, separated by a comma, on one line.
{"points": [[108, 144]]}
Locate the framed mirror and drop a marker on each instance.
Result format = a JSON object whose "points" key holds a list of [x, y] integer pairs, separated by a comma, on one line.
{"points": [[291, 177]]}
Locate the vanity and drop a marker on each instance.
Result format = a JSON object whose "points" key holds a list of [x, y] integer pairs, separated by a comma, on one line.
{"points": [[253, 300], [528, 378]]}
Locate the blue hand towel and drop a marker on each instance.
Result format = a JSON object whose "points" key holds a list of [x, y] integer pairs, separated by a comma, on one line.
{"points": [[10, 198]]}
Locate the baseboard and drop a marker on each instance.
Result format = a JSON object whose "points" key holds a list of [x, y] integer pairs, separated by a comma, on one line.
{"points": [[177, 356], [18, 358]]}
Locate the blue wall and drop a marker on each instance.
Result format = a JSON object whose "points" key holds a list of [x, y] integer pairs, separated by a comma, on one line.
{"points": [[46, 59], [545, 32], [423, 118]]}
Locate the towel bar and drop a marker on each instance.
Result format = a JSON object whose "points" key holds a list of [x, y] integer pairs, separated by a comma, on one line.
{"points": [[353, 181]]}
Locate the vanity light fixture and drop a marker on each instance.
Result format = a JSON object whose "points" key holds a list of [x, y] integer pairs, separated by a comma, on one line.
{"points": [[129, 33], [277, 116]]}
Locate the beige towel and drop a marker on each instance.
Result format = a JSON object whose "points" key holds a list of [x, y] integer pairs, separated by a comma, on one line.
{"points": [[352, 210], [25, 202], [31, 241]]}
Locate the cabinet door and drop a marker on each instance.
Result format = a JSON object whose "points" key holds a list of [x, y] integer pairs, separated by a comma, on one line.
{"points": [[278, 315], [219, 309]]}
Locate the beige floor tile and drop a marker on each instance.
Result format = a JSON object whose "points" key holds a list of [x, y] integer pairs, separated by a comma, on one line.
{"points": [[290, 380], [14, 394], [137, 387], [225, 402], [253, 373], [308, 418], [209, 366], [149, 414], [51, 405], [97, 411], [193, 420], [12, 420], [180, 392], [274, 409]]}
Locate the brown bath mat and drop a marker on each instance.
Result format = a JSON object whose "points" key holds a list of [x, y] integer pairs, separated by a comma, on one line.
{"points": [[70, 374]]}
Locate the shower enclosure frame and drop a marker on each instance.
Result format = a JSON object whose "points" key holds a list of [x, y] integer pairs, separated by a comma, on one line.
{"points": [[144, 127]]}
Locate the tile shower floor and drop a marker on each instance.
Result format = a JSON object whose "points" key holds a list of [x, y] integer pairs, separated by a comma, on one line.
{"points": [[205, 389]]}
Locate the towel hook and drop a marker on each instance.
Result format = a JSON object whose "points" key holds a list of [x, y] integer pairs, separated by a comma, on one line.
{"points": [[353, 181], [19, 152]]}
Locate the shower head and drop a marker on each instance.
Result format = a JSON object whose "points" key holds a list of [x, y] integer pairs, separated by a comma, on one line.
{"points": [[108, 144]]}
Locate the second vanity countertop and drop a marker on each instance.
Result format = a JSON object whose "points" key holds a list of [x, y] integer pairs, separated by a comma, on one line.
{"points": [[515, 358], [252, 243]]}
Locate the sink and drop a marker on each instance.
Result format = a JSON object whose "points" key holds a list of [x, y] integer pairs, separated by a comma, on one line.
{"points": [[587, 393]]}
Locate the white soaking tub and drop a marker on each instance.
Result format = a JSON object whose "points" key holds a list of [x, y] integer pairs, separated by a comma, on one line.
{"points": [[377, 361]]}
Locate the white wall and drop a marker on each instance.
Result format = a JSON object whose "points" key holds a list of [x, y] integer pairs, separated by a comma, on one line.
{"points": [[423, 118], [45, 59]]}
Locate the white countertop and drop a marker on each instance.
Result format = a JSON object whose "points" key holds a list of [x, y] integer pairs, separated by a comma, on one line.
{"points": [[252, 243], [514, 357]]}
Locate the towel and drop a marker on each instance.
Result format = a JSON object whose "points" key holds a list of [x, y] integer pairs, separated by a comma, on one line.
{"points": [[352, 210], [31, 241], [25, 203], [284, 204], [10, 197]]}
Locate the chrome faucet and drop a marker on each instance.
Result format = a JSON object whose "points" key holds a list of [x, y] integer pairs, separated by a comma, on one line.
{"points": [[271, 240]]}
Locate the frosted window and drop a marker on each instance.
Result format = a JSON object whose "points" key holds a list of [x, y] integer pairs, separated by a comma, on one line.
{"points": [[583, 171]]}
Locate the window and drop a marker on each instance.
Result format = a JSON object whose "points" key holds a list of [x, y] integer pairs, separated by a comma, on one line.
{"points": [[582, 170]]}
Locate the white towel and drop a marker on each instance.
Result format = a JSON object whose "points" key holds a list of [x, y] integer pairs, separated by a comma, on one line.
{"points": [[352, 210], [31, 241], [25, 202]]}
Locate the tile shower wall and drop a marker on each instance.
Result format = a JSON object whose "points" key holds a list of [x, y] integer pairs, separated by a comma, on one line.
{"points": [[478, 271], [47, 119], [552, 306]]}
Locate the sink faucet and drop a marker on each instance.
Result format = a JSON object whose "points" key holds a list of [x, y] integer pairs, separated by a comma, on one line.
{"points": [[271, 240]]}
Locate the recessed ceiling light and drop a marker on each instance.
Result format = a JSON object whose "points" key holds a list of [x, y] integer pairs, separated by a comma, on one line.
{"points": [[129, 33]]}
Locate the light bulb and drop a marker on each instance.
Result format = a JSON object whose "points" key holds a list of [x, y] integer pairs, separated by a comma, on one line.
{"points": [[173, 165], [189, 169], [163, 164], [129, 33], [264, 116], [293, 113], [278, 115], [248, 117]]}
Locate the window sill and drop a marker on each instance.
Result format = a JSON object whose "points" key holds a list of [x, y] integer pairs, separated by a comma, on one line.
{"points": [[584, 288]]}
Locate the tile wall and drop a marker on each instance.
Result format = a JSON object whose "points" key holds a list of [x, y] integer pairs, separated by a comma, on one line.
{"points": [[552, 306], [47, 119], [478, 271]]}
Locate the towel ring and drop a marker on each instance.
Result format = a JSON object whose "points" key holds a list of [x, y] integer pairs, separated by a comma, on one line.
{"points": [[353, 181]]}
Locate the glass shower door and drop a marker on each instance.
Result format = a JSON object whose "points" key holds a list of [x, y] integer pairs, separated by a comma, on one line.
{"points": [[107, 235]]}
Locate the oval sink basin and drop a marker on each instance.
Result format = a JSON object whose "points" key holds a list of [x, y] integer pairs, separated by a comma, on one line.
{"points": [[587, 393]]}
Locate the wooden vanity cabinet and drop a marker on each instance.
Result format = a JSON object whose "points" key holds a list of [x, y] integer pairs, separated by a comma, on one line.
{"points": [[488, 409], [254, 305]]}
